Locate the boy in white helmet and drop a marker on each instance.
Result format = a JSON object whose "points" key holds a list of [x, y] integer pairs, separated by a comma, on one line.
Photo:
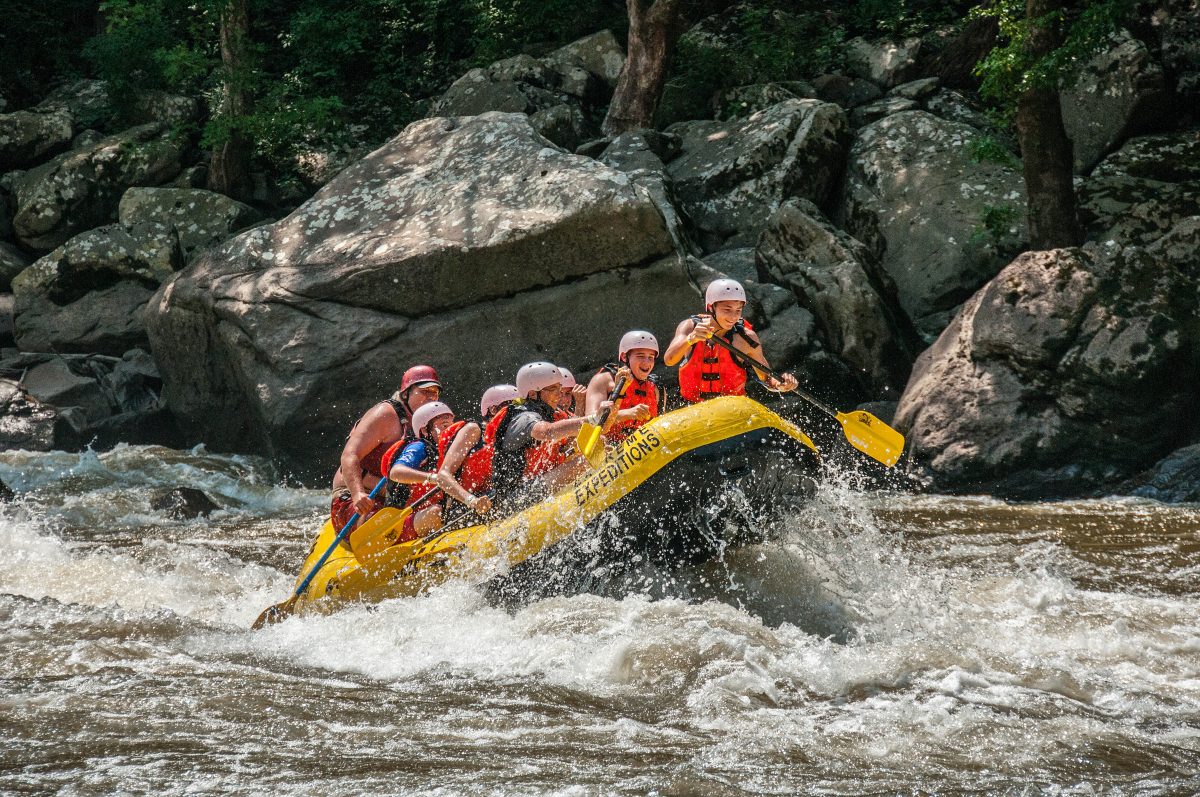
{"points": [[639, 400], [531, 445], [711, 369], [412, 469]]}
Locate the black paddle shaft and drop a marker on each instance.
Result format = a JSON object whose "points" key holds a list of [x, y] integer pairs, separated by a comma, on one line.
{"points": [[745, 361], [618, 388]]}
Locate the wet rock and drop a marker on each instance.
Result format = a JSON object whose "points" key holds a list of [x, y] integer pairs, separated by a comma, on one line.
{"points": [[846, 91], [183, 503], [12, 263], [30, 425], [198, 218], [89, 294], [1175, 479], [885, 63], [474, 219], [1071, 370], [733, 175], [80, 189], [26, 137], [1121, 92], [7, 494], [1141, 191], [940, 222], [854, 303]]}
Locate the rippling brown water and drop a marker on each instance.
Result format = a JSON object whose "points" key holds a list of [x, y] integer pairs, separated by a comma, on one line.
{"points": [[878, 644]]}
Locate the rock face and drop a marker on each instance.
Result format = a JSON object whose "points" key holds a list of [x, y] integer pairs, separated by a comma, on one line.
{"points": [[70, 401], [198, 218], [733, 175], [1142, 190], [853, 302], [1070, 370], [939, 221], [1175, 479], [89, 294], [277, 339], [81, 188], [1119, 93]]}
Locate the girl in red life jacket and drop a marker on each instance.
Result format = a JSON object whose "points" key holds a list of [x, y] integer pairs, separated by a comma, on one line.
{"points": [[465, 452], [711, 369], [413, 473], [640, 400]]}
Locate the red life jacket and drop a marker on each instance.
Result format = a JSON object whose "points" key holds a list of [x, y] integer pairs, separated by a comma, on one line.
{"points": [[475, 475], [711, 370], [405, 494], [636, 392]]}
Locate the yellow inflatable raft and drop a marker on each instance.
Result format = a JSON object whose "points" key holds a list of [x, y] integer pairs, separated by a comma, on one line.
{"points": [[682, 488]]}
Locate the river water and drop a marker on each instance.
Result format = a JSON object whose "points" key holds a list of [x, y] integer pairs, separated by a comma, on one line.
{"points": [[877, 644]]}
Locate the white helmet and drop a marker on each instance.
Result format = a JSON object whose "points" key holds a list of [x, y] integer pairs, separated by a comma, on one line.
{"points": [[724, 290], [637, 339], [495, 396], [426, 413], [568, 379], [537, 376]]}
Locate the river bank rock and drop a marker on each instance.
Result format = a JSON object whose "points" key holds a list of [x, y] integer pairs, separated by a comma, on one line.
{"points": [[853, 301], [466, 242], [88, 295], [1119, 93], [71, 401], [198, 218], [1175, 479], [81, 189], [731, 176], [939, 221], [183, 503], [1139, 192], [1072, 369]]}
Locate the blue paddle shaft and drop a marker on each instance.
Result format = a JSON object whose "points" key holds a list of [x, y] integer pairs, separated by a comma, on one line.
{"points": [[336, 541]]}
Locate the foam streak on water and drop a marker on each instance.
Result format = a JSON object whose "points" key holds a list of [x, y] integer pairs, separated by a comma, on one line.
{"points": [[875, 644]]}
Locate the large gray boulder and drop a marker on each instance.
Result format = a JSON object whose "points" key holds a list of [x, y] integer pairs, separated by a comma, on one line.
{"points": [[599, 54], [199, 218], [277, 339], [854, 303], [733, 175], [1070, 370], [27, 424], [28, 136], [940, 221], [885, 63], [1143, 189], [1119, 93], [89, 294], [81, 189]]}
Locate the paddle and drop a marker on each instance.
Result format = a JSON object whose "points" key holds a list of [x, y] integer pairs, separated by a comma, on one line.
{"points": [[865, 432], [281, 611], [382, 529], [589, 435]]}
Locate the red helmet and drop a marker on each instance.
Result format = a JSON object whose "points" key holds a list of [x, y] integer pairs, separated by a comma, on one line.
{"points": [[419, 376]]}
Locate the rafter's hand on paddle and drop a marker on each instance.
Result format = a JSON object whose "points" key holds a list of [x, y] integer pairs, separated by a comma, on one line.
{"points": [[786, 384]]}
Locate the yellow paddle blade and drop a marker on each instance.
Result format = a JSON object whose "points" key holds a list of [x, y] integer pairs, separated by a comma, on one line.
{"points": [[872, 436], [379, 531], [589, 444]]}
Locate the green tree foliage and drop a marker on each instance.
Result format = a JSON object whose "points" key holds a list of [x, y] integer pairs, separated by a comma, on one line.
{"points": [[1010, 70]]}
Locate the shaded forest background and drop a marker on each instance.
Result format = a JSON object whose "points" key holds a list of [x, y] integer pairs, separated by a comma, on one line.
{"points": [[334, 74]]}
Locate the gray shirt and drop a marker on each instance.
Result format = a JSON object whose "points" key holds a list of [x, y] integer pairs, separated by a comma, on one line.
{"points": [[519, 434]]}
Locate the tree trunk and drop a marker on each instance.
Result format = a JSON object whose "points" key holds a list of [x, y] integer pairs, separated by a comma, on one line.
{"points": [[1045, 149], [229, 172], [654, 28]]}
